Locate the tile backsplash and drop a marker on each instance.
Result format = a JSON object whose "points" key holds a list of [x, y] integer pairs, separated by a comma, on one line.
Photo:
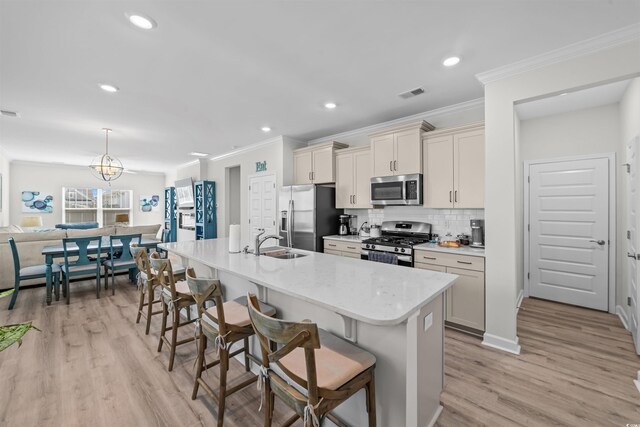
{"points": [[455, 221]]}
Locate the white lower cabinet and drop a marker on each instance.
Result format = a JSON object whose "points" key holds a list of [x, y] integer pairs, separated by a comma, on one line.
{"points": [[342, 248], [465, 300]]}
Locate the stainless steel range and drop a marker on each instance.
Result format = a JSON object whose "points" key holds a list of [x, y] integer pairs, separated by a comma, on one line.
{"points": [[398, 238]]}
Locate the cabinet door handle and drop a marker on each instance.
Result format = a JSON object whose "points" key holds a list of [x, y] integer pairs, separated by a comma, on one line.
{"points": [[351, 247], [455, 196], [391, 165], [331, 244], [309, 176], [395, 165], [464, 262], [450, 197], [428, 257], [354, 199]]}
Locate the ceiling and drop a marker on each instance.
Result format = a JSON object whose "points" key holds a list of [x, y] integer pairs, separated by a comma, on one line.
{"points": [[213, 73], [573, 101]]}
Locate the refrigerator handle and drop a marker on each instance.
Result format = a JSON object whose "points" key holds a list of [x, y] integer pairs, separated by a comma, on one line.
{"points": [[290, 225]]}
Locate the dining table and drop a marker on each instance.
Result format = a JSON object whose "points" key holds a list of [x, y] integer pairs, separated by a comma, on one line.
{"points": [[57, 251]]}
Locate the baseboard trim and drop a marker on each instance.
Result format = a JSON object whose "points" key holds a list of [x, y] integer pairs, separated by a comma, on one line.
{"points": [[500, 343], [434, 419], [623, 316], [519, 300]]}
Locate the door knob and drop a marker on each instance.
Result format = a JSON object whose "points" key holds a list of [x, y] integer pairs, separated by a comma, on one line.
{"points": [[634, 256], [600, 242]]}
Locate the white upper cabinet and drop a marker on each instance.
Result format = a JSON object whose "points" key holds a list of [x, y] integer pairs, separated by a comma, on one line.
{"points": [[454, 167], [353, 178], [315, 164], [398, 151]]}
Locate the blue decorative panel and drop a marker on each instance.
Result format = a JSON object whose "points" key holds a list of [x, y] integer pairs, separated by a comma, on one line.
{"points": [[205, 210], [170, 213]]}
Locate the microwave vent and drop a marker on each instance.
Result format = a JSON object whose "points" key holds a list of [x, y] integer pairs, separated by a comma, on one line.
{"points": [[411, 93]]}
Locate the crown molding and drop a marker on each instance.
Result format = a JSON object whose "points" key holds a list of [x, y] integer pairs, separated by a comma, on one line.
{"points": [[250, 147], [427, 116], [76, 166], [575, 50]]}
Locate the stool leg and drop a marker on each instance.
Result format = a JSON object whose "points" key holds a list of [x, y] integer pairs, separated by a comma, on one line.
{"points": [[247, 361], [174, 337], [151, 297], [56, 286], [141, 302], [163, 328], [222, 394], [371, 401], [202, 346], [113, 281], [66, 285]]}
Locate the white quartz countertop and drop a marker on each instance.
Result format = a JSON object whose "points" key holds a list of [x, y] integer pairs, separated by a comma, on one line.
{"points": [[348, 238], [462, 250], [371, 292]]}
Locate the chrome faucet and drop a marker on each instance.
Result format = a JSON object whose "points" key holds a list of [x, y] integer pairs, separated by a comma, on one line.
{"points": [[259, 241]]}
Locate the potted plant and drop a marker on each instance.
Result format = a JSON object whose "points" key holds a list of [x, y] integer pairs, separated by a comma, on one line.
{"points": [[11, 334]]}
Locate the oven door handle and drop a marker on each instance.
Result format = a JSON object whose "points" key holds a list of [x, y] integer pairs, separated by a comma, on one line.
{"points": [[403, 258]]}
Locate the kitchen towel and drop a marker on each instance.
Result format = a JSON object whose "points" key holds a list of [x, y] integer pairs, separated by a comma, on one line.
{"points": [[234, 238], [383, 257]]}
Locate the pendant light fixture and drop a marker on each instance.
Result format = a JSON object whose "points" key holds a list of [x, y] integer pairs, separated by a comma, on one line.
{"points": [[105, 167]]}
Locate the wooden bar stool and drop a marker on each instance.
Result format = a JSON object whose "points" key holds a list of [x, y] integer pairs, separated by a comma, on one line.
{"points": [[312, 372], [224, 324], [147, 284], [174, 296]]}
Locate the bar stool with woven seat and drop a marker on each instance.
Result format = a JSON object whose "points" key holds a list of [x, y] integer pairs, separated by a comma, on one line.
{"points": [[174, 296], [312, 372], [225, 324]]}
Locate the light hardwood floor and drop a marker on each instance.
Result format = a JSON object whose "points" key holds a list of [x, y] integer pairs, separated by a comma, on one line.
{"points": [[92, 365]]}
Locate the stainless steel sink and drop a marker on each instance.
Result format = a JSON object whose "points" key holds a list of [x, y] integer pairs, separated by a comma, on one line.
{"points": [[281, 253], [287, 255]]}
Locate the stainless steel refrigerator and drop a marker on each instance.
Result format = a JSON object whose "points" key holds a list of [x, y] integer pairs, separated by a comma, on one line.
{"points": [[307, 212]]}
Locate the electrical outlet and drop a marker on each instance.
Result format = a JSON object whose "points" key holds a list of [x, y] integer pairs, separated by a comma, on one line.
{"points": [[428, 321], [629, 301]]}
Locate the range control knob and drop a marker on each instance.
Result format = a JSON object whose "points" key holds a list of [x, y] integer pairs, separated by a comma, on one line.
{"points": [[402, 250], [396, 249], [367, 246], [373, 246]]}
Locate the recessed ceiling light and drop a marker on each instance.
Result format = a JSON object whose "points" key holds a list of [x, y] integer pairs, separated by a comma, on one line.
{"points": [[108, 88], [198, 154], [330, 105], [450, 62], [141, 21], [266, 129]]}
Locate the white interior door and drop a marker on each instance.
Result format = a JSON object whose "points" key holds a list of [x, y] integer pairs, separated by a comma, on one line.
{"points": [[633, 238], [569, 232], [262, 204]]}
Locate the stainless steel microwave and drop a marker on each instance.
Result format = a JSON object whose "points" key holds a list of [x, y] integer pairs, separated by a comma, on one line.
{"points": [[401, 190]]}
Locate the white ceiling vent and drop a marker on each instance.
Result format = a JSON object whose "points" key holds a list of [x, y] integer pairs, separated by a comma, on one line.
{"points": [[8, 113], [413, 92]]}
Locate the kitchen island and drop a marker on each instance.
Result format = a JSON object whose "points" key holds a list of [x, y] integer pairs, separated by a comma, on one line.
{"points": [[394, 312]]}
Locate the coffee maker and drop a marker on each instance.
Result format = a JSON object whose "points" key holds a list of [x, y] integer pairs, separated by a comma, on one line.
{"points": [[477, 233], [343, 224]]}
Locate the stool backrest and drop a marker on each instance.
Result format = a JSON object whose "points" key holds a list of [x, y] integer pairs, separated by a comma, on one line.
{"points": [[290, 335], [164, 273], [204, 289], [139, 253]]}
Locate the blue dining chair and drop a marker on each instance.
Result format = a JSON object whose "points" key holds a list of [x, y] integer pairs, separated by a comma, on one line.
{"points": [[126, 261], [33, 272], [83, 265]]}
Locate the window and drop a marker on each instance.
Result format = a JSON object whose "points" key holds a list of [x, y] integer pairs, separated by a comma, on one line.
{"points": [[96, 205]]}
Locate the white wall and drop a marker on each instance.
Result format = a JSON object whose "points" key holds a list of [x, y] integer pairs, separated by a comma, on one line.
{"points": [[5, 171], [273, 152], [235, 190], [629, 128], [588, 131], [51, 178], [501, 207]]}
